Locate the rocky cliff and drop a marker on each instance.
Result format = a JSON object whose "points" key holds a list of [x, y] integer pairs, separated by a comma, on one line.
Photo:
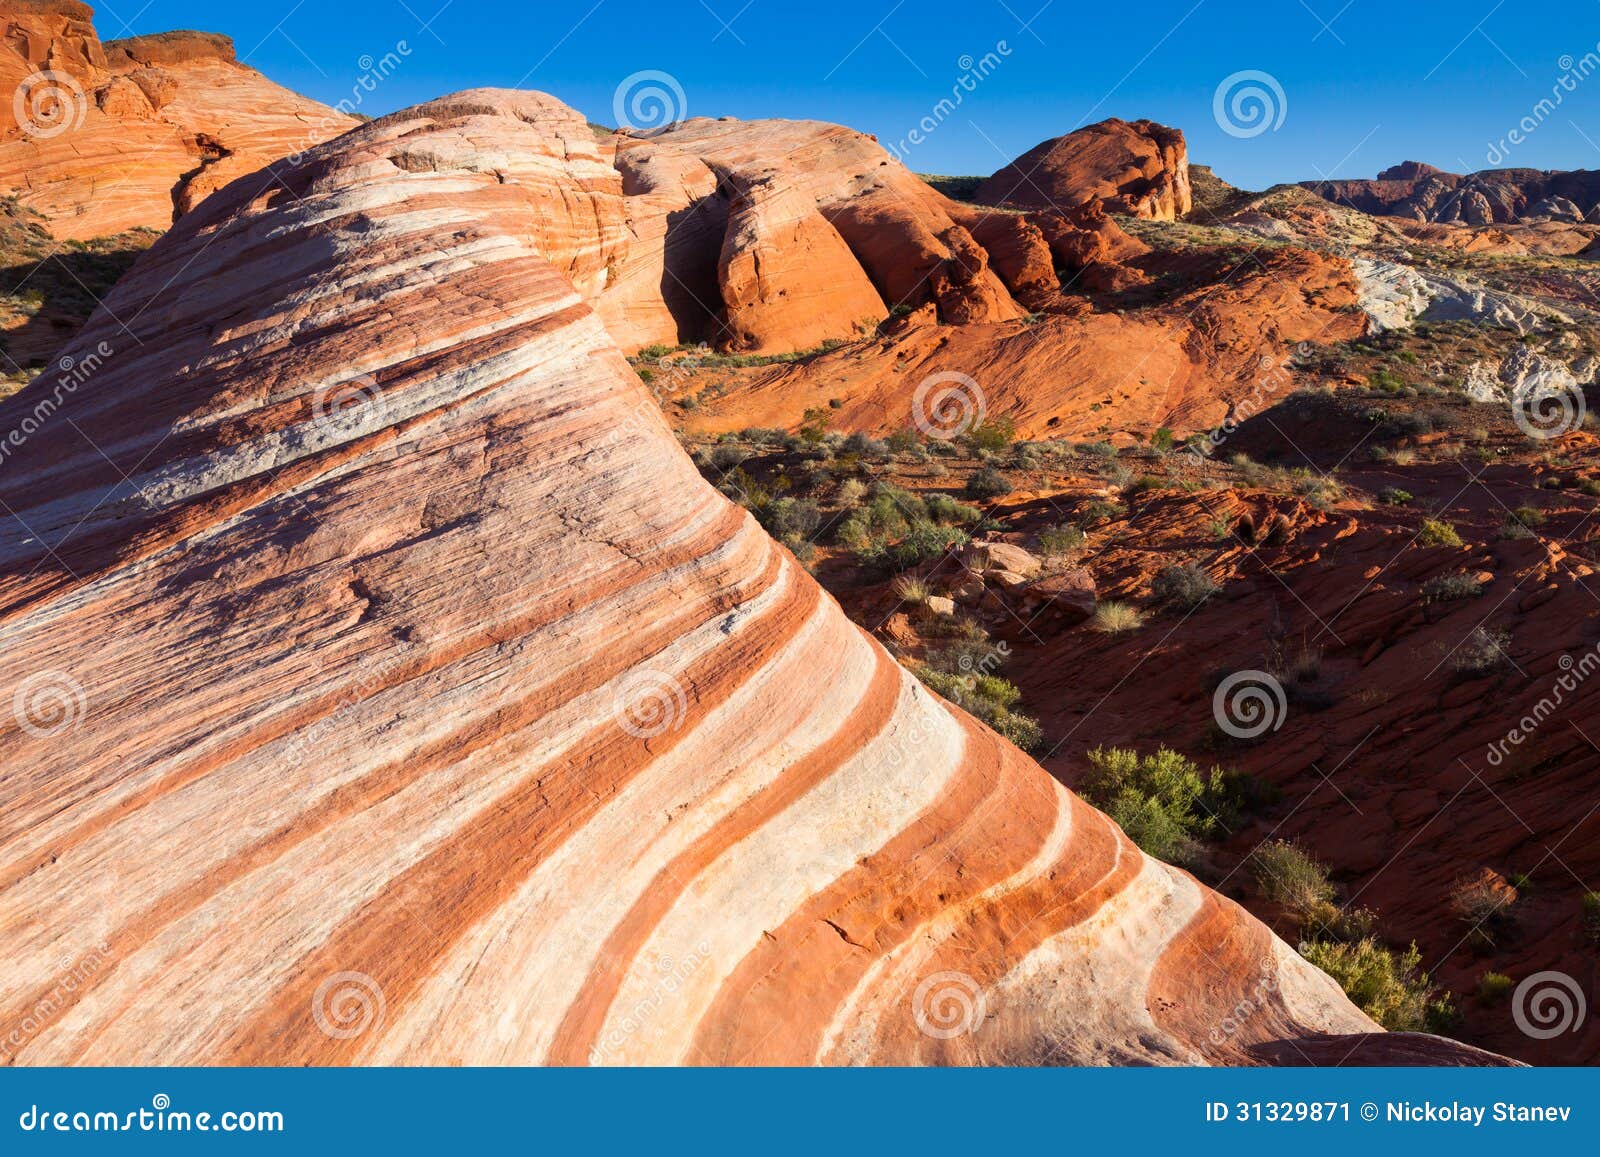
{"points": [[103, 137], [389, 687]]}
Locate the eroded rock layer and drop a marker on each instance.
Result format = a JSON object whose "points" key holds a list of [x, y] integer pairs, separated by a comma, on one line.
{"points": [[106, 137], [389, 688], [1135, 167]]}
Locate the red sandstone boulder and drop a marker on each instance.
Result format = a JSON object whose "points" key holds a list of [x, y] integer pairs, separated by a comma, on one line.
{"points": [[1139, 168]]}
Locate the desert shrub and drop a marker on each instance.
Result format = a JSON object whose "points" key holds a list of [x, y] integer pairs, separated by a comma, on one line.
{"points": [[1060, 540], [924, 542], [1436, 532], [1484, 651], [993, 434], [1513, 530], [1163, 439], [1493, 986], [1164, 802], [912, 589], [852, 491], [944, 508], [1102, 511], [1478, 904], [1147, 482], [1446, 588], [1099, 449], [1591, 916], [963, 673], [1388, 986], [786, 518], [1530, 516], [1113, 618], [727, 457], [986, 484], [865, 446], [1394, 496], [1291, 877], [896, 529], [1185, 586]]}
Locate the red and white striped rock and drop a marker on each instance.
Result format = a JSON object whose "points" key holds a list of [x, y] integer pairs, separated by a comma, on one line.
{"points": [[115, 136], [387, 686]]}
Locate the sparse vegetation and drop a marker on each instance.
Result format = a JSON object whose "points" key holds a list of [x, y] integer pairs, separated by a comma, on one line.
{"points": [[1185, 586], [1394, 496], [1446, 588], [1060, 540], [1388, 986], [1435, 532], [1114, 618], [1484, 652], [986, 484], [1164, 802], [1493, 986]]}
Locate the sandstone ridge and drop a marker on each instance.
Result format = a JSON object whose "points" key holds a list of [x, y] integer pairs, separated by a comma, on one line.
{"points": [[399, 693]]}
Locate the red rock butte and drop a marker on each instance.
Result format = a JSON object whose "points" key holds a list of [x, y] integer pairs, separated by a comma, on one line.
{"points": [[391, 689], [1135, 167]]}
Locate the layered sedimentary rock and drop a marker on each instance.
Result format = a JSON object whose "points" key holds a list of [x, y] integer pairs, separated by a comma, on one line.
{"points": [[1139, 168], [768, 236], [114, 136], [1494, 196], [388, 687]]}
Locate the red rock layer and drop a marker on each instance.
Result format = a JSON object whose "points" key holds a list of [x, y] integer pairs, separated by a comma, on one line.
{"points": [[390, 688], [770, 236], [118, 135], [1139, 168]]}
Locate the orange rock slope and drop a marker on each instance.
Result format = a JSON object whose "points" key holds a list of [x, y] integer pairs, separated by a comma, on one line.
{"points": [[388, 687], [106, 137]]}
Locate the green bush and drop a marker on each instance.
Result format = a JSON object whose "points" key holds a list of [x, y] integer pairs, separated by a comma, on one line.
{"points": [[1113, 618], [1164, 802], [1591, 916], [1102, 511], [1394, 496], [1386, 985], [994, 434], [1435, 532], [986, 484], [1493, 986], [1060, 540], [963, 674]]}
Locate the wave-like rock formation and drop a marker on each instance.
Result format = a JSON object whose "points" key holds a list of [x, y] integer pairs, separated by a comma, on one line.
{"points": [[1139, 168], [104, 137], [388, 687]]}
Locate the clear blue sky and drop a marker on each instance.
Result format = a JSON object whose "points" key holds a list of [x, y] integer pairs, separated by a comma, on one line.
{"points": [[1379, 82]]}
